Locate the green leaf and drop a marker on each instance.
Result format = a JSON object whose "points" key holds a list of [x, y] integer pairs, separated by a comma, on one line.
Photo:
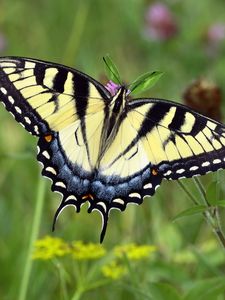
{"points": [[211, 193], [207, 289], [162, 291], [145, 82], [220, 203], [191, 211], [111, 70]]}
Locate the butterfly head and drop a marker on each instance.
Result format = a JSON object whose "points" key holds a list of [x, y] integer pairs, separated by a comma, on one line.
{"points": [[120, 99]]}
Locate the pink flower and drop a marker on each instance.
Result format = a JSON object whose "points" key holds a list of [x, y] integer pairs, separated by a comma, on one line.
{"points": [[112, 87], [214, 39], [160, 23], [216, 33]]}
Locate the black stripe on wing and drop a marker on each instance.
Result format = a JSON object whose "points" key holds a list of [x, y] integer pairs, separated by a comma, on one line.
{"points": [[20, 77], [81, 92], [59, 80], [193, 166], [77, 188], [17, 105], [156, 113], [39, 73], [206, 134], [178, 120]]}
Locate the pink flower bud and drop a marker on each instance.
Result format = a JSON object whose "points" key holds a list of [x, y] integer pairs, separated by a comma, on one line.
{"points": [[112, 87], [216, 33], [160, 23], [214, 38]]}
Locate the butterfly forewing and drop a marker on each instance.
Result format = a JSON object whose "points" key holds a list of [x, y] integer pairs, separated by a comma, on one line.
{"points": [[182, 143], [47, 97]]}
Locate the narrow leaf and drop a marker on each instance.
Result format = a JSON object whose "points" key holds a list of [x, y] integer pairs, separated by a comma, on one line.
{"points": [[207, 289], [112, 70], [191, 211], [161, 291], [211, 192], [220, 203], [145, 82]]}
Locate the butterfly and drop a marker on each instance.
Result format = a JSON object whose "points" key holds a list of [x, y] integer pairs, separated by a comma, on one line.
{"points": [[107, 150]]}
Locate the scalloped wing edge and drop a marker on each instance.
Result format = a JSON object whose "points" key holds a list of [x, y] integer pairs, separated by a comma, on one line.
{"points": [[50, 170]]}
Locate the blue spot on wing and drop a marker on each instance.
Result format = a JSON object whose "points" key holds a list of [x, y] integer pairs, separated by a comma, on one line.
{"points": [[78, 186]]}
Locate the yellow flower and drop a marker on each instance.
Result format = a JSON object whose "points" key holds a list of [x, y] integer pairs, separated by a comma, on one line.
{"points": [[81, 251], [134, 252], [49, 247], [113, 270]]}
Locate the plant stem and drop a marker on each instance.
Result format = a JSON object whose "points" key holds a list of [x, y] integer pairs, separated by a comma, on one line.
{"points": [[77, 295], [201, 190], [221, 237], [211, 215], [62, 274], [187, 192], [76, 32], [33, 236]]}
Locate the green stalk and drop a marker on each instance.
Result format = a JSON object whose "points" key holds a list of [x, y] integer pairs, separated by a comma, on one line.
{"points": [[211, 215], [187, 192], [62, 274], [76, 32], [77, 295], [33, 236], [201, 190], [90, 286]]}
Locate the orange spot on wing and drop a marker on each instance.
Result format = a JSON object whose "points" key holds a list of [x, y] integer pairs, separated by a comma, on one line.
{"points": [[48, 138], [154, 172], [88, 196]]}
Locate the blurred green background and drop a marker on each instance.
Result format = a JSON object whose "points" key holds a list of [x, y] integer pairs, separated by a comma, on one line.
{"points": [[184, 39]]}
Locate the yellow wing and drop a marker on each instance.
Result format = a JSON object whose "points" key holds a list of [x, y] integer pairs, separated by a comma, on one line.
{"points": [[46, 97], [107, 150], [166, 138]]}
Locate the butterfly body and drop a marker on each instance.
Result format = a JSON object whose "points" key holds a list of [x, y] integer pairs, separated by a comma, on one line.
{"points": [[106, 149]]}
